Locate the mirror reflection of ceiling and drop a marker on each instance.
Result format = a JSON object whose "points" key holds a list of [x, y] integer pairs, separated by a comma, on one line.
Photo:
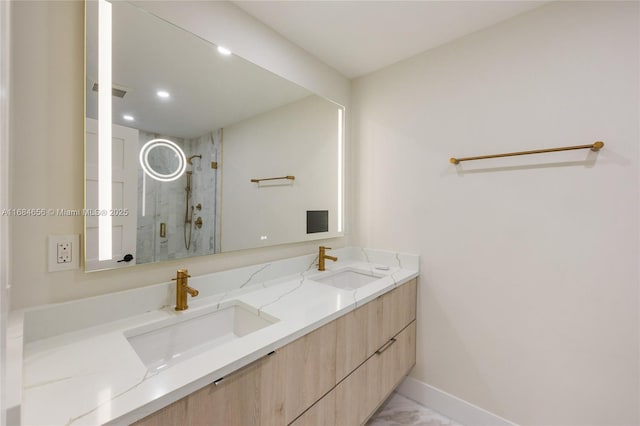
{"points": [[148, 57]]}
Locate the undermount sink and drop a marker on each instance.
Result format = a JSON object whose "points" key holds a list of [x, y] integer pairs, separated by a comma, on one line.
{"points": [[349, 279], [168, 342]]}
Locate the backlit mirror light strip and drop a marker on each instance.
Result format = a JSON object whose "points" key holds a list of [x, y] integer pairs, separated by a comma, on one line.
{"points": [[104, 130], [340, 166]]}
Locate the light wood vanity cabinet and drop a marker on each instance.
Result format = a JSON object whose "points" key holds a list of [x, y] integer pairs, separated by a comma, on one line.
{"points": [[351, 339], [322, 413], [364, 390], [366, 329], [253, 395], [393, 311], [311, 369], [336, 375], [375, 349]]}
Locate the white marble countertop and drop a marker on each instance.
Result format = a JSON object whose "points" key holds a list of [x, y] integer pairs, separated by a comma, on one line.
{"points": [[79, 368]]}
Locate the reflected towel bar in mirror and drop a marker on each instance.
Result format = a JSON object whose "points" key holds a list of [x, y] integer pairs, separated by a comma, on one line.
{"points": [[596, 146], [273, 178]]}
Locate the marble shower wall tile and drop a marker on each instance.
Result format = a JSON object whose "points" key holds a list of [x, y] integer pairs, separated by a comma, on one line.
{"points": [[217, 213], [205, 192]]}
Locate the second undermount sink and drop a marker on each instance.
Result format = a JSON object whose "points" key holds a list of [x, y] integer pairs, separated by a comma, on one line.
{"points": [[165, 343], [348, 279]]}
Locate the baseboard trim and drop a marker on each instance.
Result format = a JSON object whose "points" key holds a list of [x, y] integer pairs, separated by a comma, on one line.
{"points": [[449, 405]]}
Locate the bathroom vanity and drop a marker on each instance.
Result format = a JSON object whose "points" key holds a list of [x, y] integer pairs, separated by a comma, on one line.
{"points": [[336, 375], [278, 343]]}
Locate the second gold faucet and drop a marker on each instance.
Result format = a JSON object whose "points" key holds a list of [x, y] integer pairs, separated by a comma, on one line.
{"points": [[182, 288], [322, 257]]}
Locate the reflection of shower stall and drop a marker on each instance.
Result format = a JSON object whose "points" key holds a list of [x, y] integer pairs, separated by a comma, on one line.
{"points": [[181, 218], [188, 215]]}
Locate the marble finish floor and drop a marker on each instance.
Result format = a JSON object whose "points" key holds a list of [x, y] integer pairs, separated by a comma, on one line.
{"points": [[401, 411]]}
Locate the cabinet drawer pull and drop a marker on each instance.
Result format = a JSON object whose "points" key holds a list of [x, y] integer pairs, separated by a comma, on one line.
{"points": [[386, 346], [221, 379]]}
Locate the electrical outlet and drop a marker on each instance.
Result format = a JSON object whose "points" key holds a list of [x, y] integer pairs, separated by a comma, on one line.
{"points": [[64, 252]]}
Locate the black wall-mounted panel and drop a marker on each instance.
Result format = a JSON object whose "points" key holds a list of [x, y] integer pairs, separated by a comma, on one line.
{"points": [[317, 221]]}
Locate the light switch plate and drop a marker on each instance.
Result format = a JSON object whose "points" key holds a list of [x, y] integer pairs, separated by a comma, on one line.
{"points": [[64, 252]]}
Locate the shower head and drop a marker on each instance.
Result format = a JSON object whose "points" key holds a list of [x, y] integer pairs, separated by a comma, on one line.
{"points": [[192, 157]]}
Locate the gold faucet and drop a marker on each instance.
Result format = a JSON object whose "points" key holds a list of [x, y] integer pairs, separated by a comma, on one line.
{"points": [[182, 288], [322, 257]]}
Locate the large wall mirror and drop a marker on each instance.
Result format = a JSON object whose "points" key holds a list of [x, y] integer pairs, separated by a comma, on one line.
{"points": [[191, 150]]}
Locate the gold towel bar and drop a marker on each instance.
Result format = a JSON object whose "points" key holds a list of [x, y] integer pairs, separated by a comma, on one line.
{"points": [[273, 178], [596, 146]]}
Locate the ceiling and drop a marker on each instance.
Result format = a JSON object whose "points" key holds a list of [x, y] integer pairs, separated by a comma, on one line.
{"points": [[359, 37]]}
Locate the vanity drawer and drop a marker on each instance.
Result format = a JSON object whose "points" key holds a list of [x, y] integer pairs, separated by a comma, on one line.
{"points": [[362, 331], [351, 339], [251, 396], [310, 369], [363, 391], [321, 413], [393, 311]]}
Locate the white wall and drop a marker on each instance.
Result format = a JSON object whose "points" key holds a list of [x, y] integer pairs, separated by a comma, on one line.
{"points": [[528, 300], [4, 200], [298, 139], [47, 139]]}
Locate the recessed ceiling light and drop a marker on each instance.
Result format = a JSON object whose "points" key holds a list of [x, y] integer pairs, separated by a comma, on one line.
{"points": [[163, 94], [128, 117], [224, 50]]}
